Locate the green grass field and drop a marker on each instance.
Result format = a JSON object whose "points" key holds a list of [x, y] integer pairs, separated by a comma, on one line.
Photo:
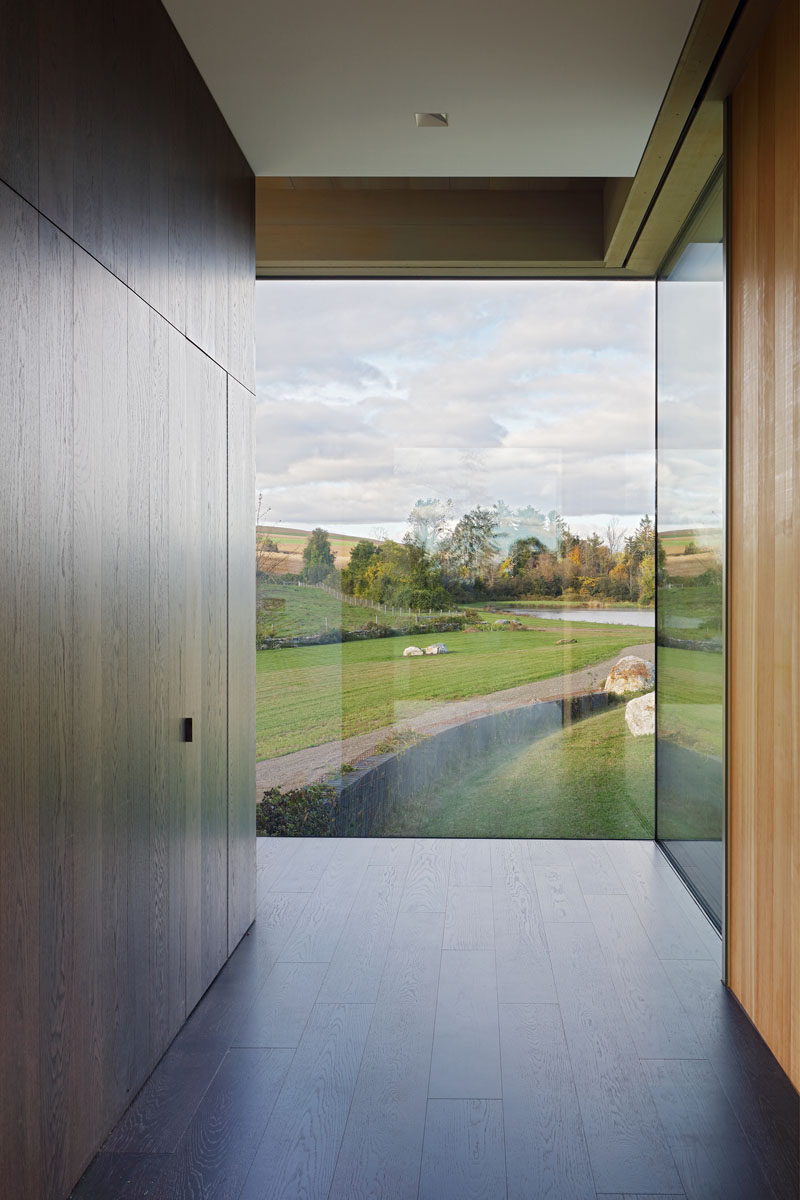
{"points": [[297, 611], [590, 780], [295, 539], [700, 605], [314, 694], [690, 691]]}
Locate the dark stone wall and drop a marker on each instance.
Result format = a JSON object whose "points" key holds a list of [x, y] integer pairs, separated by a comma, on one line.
{"points": [[368, 797]]}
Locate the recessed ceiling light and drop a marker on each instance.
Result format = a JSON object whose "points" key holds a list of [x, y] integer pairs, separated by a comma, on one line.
{"points": [[431, 120]]}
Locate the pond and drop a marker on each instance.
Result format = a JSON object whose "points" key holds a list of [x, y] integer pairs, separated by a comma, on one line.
{"points": [[645, 617]]}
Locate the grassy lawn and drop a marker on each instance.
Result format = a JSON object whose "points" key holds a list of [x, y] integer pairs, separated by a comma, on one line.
{"points": [[693, 612], [299, 611], [690, 710], [314, 694], [590, 780]]}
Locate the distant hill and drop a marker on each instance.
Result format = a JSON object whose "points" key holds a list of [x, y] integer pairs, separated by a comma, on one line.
{"points": [[708, 550], [289, 555]]}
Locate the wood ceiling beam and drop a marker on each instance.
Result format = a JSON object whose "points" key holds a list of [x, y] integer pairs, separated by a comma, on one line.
{"points": [[361, 229]]}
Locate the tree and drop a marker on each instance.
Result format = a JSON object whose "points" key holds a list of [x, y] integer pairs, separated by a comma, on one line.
{"points": [[638, 560], [268, 560], [614, 535], [268, 555], [429, 521], [470, 552], [318, 559], [647, 579], [362, 556], [524, 553]]}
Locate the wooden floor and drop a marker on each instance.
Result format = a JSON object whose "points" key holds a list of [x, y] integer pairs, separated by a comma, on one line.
{"points": [[463, 1019]]}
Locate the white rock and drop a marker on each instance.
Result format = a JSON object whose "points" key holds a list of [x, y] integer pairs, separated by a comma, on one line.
{"points": [[502, 621], [630, 674], [640, 714], [436, 648], [412, 652]]}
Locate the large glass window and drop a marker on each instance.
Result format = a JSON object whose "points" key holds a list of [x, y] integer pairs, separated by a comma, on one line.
{"points": [[690, 508], [455, 548]]}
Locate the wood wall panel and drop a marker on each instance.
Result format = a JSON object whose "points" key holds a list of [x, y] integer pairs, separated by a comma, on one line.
{"points": [[88, 916], [108, 128], [241, 664], [164, 966], [114, 861], [183, 760], [764, 553], [140, 459], [192, 762], [20, 1161], [56, 669], [56, 111], [116, 996], [19, 98], [211, 415]]}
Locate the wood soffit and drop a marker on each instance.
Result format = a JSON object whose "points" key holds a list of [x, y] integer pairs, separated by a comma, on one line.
{"points": [[587, 227]]}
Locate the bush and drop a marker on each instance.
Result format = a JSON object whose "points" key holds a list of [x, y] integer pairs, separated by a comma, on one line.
{"points": [[303, 812]]}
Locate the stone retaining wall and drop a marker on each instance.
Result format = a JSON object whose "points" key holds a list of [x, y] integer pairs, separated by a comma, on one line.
{"points": [[372, 793]]}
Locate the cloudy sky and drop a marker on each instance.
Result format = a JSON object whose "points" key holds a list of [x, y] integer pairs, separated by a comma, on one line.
{"points": [[371, 394]]}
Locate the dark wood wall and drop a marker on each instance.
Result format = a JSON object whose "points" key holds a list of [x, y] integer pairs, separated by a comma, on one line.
{"points": [[126, 566], [764, 553]]}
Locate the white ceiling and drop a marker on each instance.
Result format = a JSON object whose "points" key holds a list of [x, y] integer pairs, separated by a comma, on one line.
{"points": [[532, 87]]}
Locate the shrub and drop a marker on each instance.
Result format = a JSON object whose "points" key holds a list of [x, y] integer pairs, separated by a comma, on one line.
{"points": [[302, 812]]}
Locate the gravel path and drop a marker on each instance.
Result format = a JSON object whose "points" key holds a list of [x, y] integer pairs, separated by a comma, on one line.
{"points": [[314, 763]]}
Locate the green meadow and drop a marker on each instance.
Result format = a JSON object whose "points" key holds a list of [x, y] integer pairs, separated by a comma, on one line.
{"points": [[590, 780], [309, 695], [690, 695]]}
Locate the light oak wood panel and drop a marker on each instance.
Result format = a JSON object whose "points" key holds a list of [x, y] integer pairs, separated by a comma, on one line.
{"points": [[764, 550]]}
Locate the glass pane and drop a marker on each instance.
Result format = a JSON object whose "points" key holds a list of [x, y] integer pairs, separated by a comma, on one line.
{"points": [[690, 507], [469, 466]]}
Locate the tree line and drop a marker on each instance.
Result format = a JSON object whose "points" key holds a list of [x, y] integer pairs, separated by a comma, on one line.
{"points": [[490, 553]]}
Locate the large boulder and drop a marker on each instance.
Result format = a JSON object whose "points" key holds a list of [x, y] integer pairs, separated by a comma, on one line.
{"points": [[412, 652], [502, 621], [640, 714], [436, 648], [630, 674]]}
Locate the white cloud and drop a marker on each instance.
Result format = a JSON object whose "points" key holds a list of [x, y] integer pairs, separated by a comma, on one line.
{"points": [[373, 393]]}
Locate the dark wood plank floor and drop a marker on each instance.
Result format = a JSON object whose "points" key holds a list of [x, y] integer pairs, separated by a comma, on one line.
{"points": [[465, 1020]]}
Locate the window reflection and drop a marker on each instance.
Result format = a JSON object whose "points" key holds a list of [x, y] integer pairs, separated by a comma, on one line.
{"points": [[690, 602]]}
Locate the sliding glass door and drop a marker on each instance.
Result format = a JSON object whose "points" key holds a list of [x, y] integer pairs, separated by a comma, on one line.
{"points": [[690, 542]]}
